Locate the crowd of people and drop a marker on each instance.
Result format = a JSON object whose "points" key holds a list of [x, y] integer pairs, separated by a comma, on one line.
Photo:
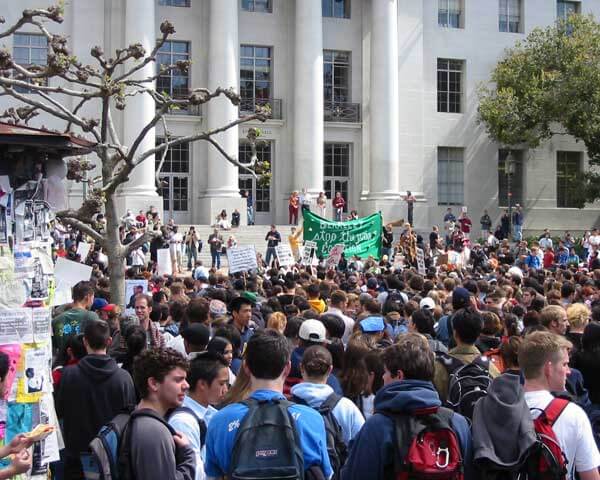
{"points": [[320, 372]]}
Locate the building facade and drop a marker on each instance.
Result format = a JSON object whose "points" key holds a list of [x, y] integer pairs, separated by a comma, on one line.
{"points": [[372, 98]]}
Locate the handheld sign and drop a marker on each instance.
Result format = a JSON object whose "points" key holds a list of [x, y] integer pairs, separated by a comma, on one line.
{"points": [[335, 255], [310, 249], [420, 261], [285, 255], [241, 258]]}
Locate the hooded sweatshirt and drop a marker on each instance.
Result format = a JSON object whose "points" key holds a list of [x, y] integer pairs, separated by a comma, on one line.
{"points": [[91, 394], [296, 360], [345, 412], [374, 449]]}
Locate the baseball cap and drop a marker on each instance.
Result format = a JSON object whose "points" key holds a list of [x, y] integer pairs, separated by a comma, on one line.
{"points": [[372, 324], [372, 283], [109, 307], [460, 298], [515, 271], [98, 304], [427, 303], [196, 334], [313, 331]]}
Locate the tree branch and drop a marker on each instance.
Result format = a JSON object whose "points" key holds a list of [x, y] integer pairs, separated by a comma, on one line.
{"points": [[138, 242], [164, 154], [52, 13], [82, 227], [231, 159]]}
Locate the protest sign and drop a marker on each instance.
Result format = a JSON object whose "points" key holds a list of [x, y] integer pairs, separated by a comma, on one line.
{"points": [[83, 249], [420, 261], [163, 262], [241, 258], [16, 326], [361, 237], [67, 273], [308, 252], [285, 255], [335, 255], [133, 288]]}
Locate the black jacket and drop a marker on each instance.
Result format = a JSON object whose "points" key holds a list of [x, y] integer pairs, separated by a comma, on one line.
{"points": [[91, 394]]}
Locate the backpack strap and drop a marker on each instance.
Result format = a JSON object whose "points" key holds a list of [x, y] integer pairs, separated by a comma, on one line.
{"points": [[330, 403], [450, 363], [298, 400], [201, 423], [554, 409], [146, 412]]}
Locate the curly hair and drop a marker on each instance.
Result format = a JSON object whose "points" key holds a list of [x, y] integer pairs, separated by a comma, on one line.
{"points": [[156, 363]]}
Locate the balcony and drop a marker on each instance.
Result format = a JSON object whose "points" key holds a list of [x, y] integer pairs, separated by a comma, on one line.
{"points": [[191, 110], [341, 112], [248, 106]]}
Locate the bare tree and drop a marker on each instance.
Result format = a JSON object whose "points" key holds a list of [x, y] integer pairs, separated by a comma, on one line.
{"points": [[109, 83]]}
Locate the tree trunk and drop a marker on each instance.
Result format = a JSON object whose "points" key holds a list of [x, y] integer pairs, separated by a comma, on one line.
{"points": [[114, 252]]}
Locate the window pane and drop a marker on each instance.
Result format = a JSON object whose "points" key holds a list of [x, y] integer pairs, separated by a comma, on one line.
{"points": [[450, 176], [568, 166]]}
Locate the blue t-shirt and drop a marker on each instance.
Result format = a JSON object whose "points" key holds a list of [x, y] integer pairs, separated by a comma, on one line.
{"points": [[224, 425]]}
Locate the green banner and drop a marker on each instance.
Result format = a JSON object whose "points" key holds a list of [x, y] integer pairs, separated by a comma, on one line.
{"points": [[360, 237]]}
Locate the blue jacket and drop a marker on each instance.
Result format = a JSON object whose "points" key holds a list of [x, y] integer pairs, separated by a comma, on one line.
{"points": [[347, 414], [533, 261], [373, 450], [223, 427]]}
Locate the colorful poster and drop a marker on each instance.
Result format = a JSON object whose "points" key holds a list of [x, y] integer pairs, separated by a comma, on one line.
{"points": [[361, 237], [133, 288], [35, 374], [14, 356]]}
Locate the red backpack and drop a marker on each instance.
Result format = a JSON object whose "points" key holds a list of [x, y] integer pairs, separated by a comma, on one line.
{"points": [[550, 460], [426, 446], [495, 357]]}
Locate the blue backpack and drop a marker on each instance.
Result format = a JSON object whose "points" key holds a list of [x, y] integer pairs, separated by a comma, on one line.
{"points": [[110, 450]]}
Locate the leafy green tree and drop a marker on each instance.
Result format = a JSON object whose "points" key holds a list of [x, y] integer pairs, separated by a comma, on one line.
{"points": [[546, 85]]}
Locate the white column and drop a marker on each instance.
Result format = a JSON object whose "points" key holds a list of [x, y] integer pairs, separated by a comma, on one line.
{"points": [[140, 28], [308, 97], [223, 68], [384, 118]]}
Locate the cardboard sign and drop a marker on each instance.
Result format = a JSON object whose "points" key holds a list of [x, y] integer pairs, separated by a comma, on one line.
{"points": [[285, 255], [67, 273], [83, 249], [335, 255], [309, 252], [420, 261], [163, 262], [242, 258]]}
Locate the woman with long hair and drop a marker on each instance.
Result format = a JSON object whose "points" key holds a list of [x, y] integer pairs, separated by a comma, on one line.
{"points": [[223, 347]]}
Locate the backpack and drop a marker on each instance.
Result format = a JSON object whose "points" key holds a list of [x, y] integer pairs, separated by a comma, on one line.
{"points": [[336, 448], [426, 445], [110, 457], [267, 445], [394, 302], [201, 423], [467, 382]]}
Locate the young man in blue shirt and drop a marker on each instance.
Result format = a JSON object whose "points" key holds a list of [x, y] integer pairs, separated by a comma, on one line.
{"points": [[267, 363]]}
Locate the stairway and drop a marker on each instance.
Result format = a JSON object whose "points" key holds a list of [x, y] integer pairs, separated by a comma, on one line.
{"points": [[245, 235]]}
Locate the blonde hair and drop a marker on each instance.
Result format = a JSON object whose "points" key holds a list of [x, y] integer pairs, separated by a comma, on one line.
{"points": [[277, 321], [539, 348], [578, 315]]}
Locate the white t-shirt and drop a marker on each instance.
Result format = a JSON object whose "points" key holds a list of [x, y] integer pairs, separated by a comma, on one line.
{"points": [[594, 240], [573, 431]]}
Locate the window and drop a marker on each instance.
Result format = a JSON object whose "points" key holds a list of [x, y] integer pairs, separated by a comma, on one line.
{"points": [[336, 8], [174, 177], [30, 49], [260, 193], [568, 167], [509, 16], [336, 170], [564, 9], [449, 83], [255, 75], [450, 176], [516, 179], [450, 13], [175, 82], [174, 3], [336, 76], [257, 6]]}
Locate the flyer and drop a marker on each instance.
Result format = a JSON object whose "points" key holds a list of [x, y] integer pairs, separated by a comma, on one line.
{"points": [[14, 356], [15, 326], [41, 324], [35, 373]]}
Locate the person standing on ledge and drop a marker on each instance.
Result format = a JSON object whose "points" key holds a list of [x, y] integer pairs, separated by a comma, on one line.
{"points": [[410, 200]]}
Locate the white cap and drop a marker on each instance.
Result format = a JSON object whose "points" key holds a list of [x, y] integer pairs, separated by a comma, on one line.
{"points": [[313, 331], [427, 303], [515, 271]]}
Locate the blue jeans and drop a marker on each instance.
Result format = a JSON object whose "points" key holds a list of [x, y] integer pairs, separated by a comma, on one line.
{"points": [[518, 233], [270, 254], [250, 213], [216, 258], [338, 214]]}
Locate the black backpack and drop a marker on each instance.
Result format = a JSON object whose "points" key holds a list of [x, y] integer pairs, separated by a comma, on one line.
{"points": [[467, 382], [267, 445], [201, 423], [394, 302], [336, 448]]}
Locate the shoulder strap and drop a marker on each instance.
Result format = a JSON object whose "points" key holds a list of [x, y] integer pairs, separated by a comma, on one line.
{"points": [[298, 400], [149, 413], [330, 402], [482, 362], [450, 363], [554, 409], [201, 423]]}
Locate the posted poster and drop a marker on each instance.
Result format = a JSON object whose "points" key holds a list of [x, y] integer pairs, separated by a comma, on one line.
{"points": [[241, 258], [41, 324], [12, 291], [285, 255], [16, 326], [133, 288], [35, 377], [163, 262], [14, 356]]}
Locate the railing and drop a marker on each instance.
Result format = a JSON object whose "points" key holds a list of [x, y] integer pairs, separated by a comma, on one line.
{"points": [[341, 112], [191, 110], [248, 106]]}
